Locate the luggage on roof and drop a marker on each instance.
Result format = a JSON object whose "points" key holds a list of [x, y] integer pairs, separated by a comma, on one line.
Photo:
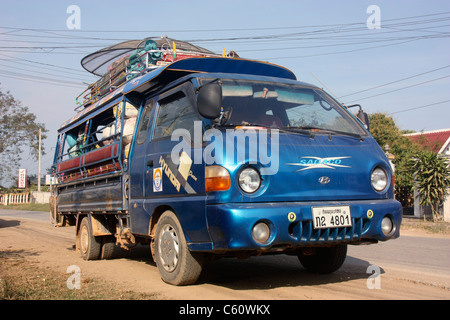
{"points": [[126, 60]]}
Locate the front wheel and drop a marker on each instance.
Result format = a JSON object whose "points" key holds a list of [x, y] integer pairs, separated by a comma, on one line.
{"points": [[176, 264], [324, 259]]}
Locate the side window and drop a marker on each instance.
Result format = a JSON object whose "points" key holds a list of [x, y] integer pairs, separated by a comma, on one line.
{"points": [[76, 140], [175, 112], [145, 122]]}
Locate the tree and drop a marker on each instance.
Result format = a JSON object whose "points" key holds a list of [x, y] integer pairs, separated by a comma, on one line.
{"points": [[19, 131], [432, 177], [384, 129]]}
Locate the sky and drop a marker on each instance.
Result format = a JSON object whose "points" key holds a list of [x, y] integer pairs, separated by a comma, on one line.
{"points": [[389, 56]]}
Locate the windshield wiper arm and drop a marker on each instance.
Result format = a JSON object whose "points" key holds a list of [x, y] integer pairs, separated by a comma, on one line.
{"points": [[245, 124], [300, 130], [311, 129], [343, 133]]}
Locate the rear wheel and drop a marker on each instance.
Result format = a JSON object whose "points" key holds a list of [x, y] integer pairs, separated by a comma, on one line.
{"points": [[108, 247], [176, 264], [90, 246], [324, 259]]}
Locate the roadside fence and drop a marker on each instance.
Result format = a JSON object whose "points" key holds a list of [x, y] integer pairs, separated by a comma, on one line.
{"points": [[15, 198]]}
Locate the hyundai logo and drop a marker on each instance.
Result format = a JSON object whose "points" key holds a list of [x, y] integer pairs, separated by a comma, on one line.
{"points": [[324, 180]]}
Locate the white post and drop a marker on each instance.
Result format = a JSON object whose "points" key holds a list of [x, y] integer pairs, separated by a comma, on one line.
{"points": [[446, 210], [39, 163]]}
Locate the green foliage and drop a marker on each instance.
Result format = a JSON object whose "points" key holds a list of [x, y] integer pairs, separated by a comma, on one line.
{"points": [[18, 133], [432, 176], [384, 129], [415, 168]]}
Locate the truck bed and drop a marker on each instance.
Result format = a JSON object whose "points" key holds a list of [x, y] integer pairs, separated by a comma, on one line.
{"points": [[98, 194]]}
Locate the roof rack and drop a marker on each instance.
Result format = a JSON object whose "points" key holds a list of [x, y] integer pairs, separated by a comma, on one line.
{"points": [[124, 61]]}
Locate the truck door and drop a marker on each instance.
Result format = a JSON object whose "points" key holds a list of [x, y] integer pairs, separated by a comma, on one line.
{"points": [[138, 166], [176, 115], [177, 183]]}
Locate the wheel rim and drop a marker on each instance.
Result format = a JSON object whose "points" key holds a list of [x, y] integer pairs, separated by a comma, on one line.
{"points": [[169, 248], [84, 240]]}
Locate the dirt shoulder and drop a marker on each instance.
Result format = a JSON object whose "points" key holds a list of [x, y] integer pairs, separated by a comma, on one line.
{"points": [[418, 227], [35, 261]]}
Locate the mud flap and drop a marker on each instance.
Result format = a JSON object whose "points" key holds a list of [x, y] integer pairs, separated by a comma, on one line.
{"points": [[101, 227]]}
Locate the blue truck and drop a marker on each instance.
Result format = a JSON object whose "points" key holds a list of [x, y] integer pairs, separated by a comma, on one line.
{"points": [[203, 156]]}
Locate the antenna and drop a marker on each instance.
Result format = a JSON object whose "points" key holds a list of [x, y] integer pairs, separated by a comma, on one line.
{"points": [[328, 90]]}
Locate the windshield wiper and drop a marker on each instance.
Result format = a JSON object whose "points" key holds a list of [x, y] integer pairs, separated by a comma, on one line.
{"points": [[313, 130], [244, 124], [350, 134]]}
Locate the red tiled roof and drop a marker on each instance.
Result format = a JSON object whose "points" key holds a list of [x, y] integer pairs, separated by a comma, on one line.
{"points": [[431, 140]]}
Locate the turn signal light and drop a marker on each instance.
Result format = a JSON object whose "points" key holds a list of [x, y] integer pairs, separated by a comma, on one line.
{"points": [[217, 178]]}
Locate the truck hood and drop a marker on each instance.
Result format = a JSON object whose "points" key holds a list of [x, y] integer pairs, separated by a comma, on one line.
{"points": [[307, 168]]}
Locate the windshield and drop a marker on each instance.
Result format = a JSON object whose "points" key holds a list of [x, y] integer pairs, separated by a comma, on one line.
{"points": [[283, 106]]}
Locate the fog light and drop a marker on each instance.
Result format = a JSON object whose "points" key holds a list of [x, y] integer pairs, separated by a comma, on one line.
{"points": [[261, 232], [387, 225]]}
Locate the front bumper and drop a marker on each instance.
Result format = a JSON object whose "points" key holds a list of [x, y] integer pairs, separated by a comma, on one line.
{"points": [[230, 225]]}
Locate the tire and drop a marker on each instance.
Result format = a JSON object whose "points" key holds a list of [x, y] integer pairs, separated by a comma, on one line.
{"points": [[176, 264], [90, 246], [325, 260], [108, 247]]}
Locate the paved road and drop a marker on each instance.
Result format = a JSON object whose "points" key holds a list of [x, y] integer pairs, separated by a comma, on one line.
{"points": [[411, 267], [427, 254], [35, 215]]}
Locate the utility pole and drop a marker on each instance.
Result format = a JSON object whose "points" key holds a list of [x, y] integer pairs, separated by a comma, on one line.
{"points": [[39, 163]]}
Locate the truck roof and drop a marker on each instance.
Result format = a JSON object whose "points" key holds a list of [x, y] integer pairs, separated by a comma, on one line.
{"points": [[157, 77]]}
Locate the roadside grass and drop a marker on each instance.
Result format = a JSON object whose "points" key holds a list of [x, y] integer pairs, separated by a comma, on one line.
{"points": [[22, 279], [439, 227], [44, 207]]}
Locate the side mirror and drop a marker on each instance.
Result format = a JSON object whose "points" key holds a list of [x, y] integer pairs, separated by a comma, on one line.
{"points": [[364, 118], [361, 115], [209, 101]]}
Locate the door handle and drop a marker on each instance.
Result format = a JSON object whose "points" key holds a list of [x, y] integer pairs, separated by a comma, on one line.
{"points": [[149, 166]]}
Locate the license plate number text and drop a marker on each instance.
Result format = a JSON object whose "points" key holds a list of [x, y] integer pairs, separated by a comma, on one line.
{"points": [[331, 217]]}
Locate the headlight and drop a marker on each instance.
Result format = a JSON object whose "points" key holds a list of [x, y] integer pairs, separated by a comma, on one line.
{"points": [[379, 179], [249, 180]]}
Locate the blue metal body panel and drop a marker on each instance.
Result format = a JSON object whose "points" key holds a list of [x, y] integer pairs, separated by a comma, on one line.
{"points": [[172, 72], [297, 179], [232, 214]]}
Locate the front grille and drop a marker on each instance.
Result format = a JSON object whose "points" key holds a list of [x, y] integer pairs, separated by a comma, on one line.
{"points": [[304, 232]]}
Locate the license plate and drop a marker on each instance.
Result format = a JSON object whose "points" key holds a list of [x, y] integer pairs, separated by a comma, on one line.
{"points": [[331, 217]]}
